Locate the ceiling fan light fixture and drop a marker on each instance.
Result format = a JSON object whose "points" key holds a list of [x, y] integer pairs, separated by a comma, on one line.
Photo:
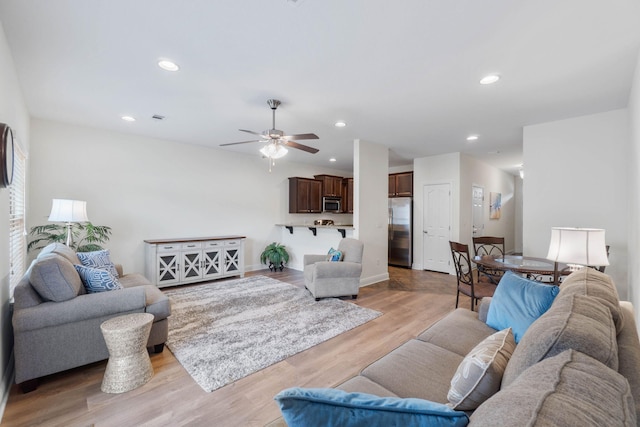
{"points": [[340, 124], [273, 150]]}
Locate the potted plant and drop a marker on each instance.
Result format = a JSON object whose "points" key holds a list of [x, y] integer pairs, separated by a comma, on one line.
{"points": [[86, 237], [276, 255]]}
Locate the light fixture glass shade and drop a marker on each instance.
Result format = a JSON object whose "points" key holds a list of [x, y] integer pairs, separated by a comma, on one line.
{"points": [[63, 210], [582, 246], [273, 150]]}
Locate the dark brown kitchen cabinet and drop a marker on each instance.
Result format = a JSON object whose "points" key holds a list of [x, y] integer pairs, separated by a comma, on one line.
{"points": [[401, 184], [347, 187], [305, 195], [331, 185]]}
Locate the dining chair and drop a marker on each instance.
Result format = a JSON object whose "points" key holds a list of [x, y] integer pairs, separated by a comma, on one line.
{"points": [[489, 246], [467, 284]]}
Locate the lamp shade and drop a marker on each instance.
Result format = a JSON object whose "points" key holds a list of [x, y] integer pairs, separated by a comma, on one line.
{"points": [[583, 246], [63, 210], [273, 150]]}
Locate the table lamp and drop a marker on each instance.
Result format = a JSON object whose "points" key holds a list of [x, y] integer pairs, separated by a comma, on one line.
{"points": [[68, 211], [578, 247]]}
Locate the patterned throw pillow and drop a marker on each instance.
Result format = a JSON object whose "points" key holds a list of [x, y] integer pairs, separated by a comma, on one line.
{"points": [[334, 255], [479, 375], [97, 279], [98, 259]]}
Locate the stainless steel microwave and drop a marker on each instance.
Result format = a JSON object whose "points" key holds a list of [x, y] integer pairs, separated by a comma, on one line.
{"points": [[331, 204]]}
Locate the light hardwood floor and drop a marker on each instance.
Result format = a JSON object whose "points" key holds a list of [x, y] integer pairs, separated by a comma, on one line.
{"points": [[410, 301]]}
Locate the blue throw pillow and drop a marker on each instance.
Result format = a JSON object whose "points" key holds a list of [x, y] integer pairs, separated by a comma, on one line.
{"points": [[518, 302], [334, 255], [97, 279], [311, 407], [98, 259]]}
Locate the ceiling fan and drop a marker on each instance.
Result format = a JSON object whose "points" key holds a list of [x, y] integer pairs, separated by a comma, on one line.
{"points": [[276, 139]]}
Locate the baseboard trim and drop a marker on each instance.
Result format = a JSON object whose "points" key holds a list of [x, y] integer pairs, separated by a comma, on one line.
{"points": [[366, 281], [7, 382]]}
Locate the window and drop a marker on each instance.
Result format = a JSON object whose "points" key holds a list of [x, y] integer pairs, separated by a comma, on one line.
{"points": [[17, 225]]}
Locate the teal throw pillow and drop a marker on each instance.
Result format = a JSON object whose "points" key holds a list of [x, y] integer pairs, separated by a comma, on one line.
{"points": [[518, 302], [97, 279], [98, 259], [334, 255], [316, 407]]}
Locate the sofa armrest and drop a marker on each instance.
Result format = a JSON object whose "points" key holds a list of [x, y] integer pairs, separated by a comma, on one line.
{"points": [[80, 308], [483, 310], [312, 259], [332, 269]]}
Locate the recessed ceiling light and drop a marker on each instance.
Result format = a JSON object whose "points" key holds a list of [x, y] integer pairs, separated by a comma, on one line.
{"points": [[491, 78], [340, 124], [333, 159], [128, 119], [472, 137], [168, 65]]}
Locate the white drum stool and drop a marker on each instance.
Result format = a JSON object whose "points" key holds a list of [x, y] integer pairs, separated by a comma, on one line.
{"points": [[129, 365]]}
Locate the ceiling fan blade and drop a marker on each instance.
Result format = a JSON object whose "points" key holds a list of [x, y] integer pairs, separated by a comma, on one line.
{"points": [[241, 142], [250, 131], [306, 148], [302, 136]]}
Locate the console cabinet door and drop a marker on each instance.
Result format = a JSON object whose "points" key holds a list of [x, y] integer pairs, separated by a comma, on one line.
{"points": [[212, 260], [233, 257], [191, 261], [167, 265]]}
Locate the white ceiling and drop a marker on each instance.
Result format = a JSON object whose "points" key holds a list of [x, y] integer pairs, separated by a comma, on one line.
{"points": [[400, 73]]}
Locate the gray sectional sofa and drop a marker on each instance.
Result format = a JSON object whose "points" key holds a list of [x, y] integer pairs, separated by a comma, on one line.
{"points": [[56, 323], [577, 364]]}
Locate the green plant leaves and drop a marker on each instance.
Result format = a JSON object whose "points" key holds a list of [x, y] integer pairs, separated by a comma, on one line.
{"points": [[85, 237], [274, 253]]}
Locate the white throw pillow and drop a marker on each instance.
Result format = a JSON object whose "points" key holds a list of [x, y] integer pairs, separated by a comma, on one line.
{"points": [[479, 375]]}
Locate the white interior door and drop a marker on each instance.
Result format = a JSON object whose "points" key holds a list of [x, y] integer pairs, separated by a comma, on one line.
{"points": [[436, 224], [477, 195]]}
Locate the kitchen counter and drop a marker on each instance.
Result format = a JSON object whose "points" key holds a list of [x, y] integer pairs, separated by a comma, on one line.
{"points": [[314, 228]]}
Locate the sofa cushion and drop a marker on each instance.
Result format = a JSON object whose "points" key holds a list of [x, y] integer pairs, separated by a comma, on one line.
{"points": [[518, 302], [62, 250], [598, 286], [362, 384], [329, 407], [570, 389], [98, 259], [54, 278], [469, 331], [479, 375], [575, 322], [416, 369], [97, 279]]}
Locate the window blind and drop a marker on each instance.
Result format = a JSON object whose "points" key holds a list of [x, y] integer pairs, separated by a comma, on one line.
{"points": [[17, 224]]}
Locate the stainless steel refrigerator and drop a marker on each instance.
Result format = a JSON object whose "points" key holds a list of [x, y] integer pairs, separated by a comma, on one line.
{"points": [[400, 231]]}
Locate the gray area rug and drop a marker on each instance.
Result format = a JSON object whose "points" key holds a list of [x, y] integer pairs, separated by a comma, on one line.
{"points": [[223, 331]]}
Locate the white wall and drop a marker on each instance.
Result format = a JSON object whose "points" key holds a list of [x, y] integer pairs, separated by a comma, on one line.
{"points": [[633, 230], [442, 169], [518, 219], [148, 188], [476, 172], [577, 177], [14, 113], [370, 219]]}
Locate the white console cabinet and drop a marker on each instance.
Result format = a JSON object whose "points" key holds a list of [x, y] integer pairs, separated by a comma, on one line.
{"points": [[172, 262]]}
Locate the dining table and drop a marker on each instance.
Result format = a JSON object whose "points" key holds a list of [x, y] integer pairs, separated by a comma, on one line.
{"points": [[540, 269]]}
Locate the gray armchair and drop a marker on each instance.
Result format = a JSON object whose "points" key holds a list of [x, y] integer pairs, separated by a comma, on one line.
{"points": [[335, 279]]}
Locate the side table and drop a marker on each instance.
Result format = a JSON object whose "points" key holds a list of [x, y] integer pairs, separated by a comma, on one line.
{"points": [[129, 365]]}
